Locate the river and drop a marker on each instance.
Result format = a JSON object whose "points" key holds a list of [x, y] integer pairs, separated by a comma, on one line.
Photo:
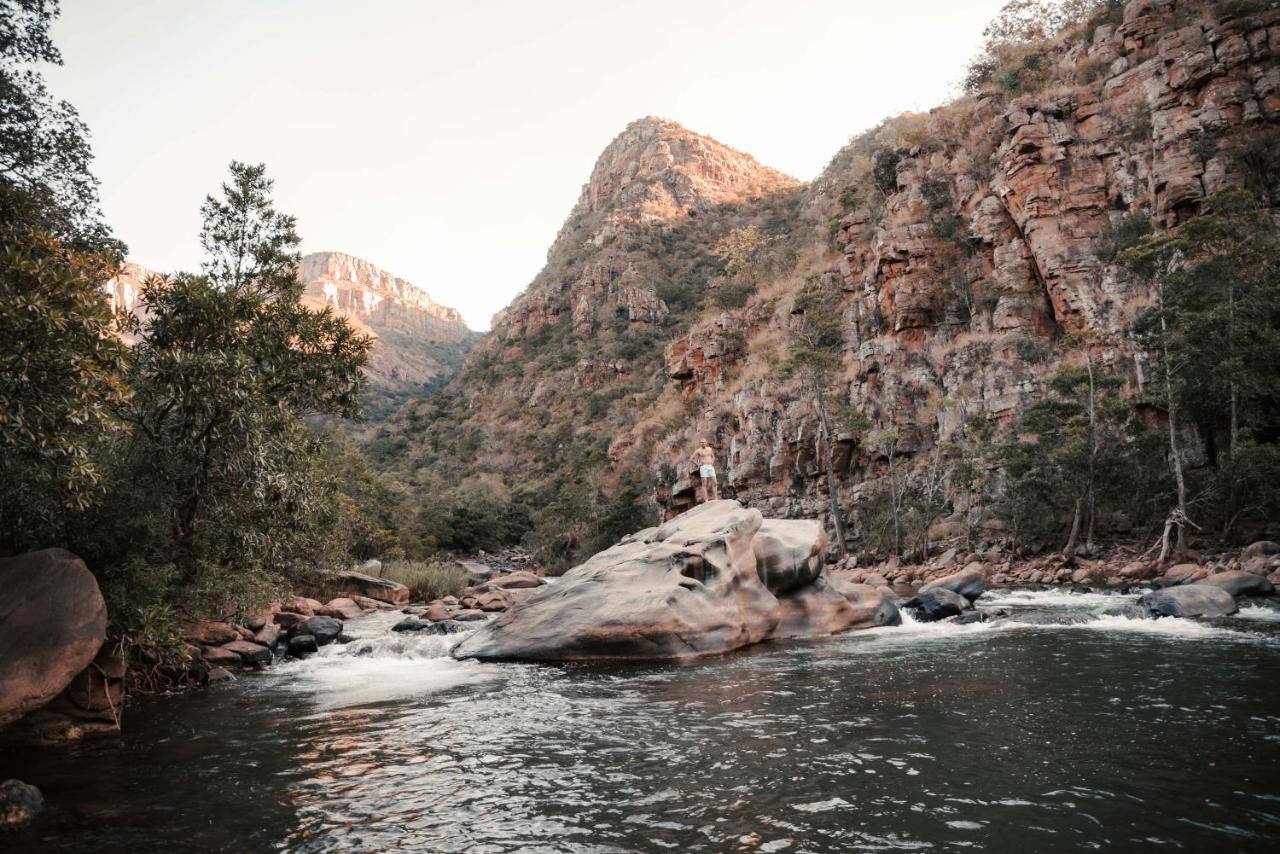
{"points": [[1114, 735]]}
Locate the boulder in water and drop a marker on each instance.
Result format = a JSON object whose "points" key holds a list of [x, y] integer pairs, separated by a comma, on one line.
{"points": [[323, 629], [937, 603], [341, 608], [303, 645], [1190, 600], [1129, 611], [1239, 583], [249, 652], [52, 623], [713, 579], [968, 582], [20, 803]]}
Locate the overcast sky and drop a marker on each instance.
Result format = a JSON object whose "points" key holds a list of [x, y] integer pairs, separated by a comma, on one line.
{"points": [[447, 141]]}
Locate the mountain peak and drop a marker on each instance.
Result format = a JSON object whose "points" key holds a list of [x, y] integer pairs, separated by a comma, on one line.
{"points": [[657, 170]]}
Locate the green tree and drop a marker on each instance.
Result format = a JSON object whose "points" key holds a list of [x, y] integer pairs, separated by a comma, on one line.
{"points": [[816, 359], [1213, 334], [227, 366], [60, 373]]}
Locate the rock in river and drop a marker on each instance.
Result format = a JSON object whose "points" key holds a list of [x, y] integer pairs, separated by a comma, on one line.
{"points": [[1239, 583], [52, 622], [1190, 600], [937, 603], [323, 629], [19, 803], [968, 582], [699, 584]]}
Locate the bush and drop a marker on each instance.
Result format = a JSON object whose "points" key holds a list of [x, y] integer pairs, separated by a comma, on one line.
{"points": [[426, 580]]}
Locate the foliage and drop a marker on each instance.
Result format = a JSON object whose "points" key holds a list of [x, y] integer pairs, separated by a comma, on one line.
{"points": [[61, 372], [1015, 51], [426, 580], [219, 478]]}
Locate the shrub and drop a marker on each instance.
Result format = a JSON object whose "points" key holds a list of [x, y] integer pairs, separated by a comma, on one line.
{"points": [[426, 580]]}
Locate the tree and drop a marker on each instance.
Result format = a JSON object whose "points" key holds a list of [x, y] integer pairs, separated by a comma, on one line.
{"points": [[227, 366], [738, 252], [816, 357], [1214, 336], [61, 370]]}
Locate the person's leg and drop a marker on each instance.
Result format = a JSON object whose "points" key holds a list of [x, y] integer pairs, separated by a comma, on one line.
{"points": [[713, 488]]}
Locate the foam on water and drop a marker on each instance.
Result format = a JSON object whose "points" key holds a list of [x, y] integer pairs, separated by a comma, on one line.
{"points": [[1054, 598], [1259, 612], [377, 665]]}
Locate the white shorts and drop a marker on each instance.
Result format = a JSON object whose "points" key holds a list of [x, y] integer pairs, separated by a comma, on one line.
{"points": [[707, 471]]}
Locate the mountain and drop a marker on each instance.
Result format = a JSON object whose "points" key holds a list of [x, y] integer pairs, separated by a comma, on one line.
{"points": [[419, 344], [967, 252]]}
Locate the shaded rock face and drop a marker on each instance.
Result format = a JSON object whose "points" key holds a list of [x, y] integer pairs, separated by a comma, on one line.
{"points": [[968, 582], [1190, 600], [52, 623], [697, 585], [20, 803]]}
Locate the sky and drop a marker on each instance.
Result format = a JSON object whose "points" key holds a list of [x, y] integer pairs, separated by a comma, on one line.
{"points": [[446, 142]]}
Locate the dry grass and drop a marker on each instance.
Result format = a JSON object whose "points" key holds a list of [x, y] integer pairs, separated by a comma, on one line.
{"points": [[426, 580]]}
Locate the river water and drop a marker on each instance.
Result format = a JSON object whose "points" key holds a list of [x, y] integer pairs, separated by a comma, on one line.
{"points": [[1113, 735]]}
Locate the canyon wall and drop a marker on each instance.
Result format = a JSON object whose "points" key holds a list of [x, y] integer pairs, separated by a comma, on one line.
{"points": [[971, 250]]}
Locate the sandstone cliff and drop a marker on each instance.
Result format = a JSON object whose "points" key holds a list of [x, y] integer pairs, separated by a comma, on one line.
{"points": [[969, 247], [419, 342]]}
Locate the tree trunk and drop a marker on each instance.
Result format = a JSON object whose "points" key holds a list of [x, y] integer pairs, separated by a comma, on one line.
{"points": [[1175, 450], [1075, 530], [831, 475]]}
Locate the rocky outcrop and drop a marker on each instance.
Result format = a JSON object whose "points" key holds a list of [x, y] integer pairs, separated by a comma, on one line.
{"points": [[697, 585], [382, 589], [52, 623]]}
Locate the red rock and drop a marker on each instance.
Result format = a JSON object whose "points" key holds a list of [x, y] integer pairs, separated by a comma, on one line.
{"points": [[210, 633], [288, 619], [268, 635], [249, 652], [383, 589], [341, 608], [217, 656], [52, 624]]}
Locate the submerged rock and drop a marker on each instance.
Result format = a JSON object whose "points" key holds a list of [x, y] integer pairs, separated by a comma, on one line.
{"points": [[1190, 600], [713, 579], [52, 622], [20, 803], [1239, 583]]}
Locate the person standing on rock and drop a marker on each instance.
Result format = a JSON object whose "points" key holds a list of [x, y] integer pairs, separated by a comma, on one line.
{"points": [[704, 460]]}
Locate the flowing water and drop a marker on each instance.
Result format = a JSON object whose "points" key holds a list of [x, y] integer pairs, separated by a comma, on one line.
{"points": [[1112, 734]]}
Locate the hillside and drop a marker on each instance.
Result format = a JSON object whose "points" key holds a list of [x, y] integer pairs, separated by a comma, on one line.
{"points": [[420, 343], [968, 253]]}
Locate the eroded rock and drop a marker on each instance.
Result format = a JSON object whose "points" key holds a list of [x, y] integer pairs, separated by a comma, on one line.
{"points": [[697, 585], [382, 589], [1239, 583]]}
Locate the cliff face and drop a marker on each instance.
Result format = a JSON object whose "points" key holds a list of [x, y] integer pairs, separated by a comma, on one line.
{"points": [[992, 246], [419, 343], [966, 247]]}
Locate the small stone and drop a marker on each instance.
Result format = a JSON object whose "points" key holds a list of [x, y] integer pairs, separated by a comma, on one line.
{"points": [[220, 674]]}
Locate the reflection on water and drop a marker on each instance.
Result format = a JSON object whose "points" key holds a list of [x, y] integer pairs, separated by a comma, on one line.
{"points": [[1115, 734]]}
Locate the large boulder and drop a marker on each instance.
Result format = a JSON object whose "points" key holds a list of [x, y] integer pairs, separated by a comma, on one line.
{"points": [[382, 589], [1262, 548], [324, 629], [968, 582], [713, 579], [52, 623], [1239, 583], [1190, 600]]}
